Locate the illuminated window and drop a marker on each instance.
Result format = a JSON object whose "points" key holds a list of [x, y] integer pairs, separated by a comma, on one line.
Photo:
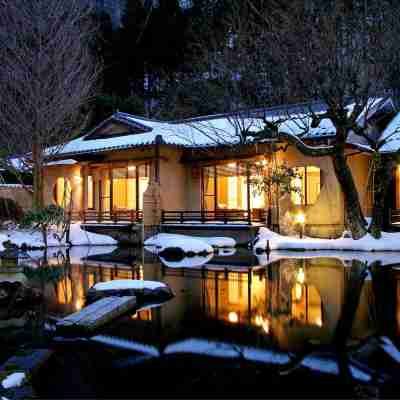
{"points": [[90, 192], [119, 183], [307, 185], [62, 192]]}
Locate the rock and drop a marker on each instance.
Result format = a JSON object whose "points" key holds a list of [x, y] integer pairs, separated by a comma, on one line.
{"points": [[143, 296], [16, 298]]}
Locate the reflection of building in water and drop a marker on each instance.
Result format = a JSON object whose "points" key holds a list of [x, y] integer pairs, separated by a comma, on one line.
{"points": [[68, 294], [289, 302]]}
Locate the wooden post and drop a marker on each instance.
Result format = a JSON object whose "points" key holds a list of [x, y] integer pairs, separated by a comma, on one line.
{"points": [[248, 193]]}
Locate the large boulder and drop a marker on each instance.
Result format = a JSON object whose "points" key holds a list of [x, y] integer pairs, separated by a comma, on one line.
{"points": [[146, 292]]}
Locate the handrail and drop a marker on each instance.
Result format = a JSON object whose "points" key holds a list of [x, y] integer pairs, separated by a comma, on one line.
{"points": [[115, 216], [203, 216]]}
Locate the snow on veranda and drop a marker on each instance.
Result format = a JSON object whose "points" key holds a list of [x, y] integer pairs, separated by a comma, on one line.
{"points": [[388, 242], [78, 237]]}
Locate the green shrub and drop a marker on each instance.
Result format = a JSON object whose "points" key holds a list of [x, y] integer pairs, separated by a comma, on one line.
{"points": [[10, 210]]}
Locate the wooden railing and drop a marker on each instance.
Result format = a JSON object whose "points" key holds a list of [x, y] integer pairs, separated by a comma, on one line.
{"points": [[394, 216], [115, 216], [218, 216]]}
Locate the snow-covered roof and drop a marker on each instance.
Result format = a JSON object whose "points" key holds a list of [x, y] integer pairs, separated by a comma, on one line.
{"points": [[68, 161], [197, 133], [209, 131], [390, 137]]}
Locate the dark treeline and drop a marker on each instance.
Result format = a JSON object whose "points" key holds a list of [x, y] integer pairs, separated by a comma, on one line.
{"points": [[153, 59], [171, 62]]}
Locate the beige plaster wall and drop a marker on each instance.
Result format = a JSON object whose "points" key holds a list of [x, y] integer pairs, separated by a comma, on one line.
{"points": [[174, 190], [70, 172]]}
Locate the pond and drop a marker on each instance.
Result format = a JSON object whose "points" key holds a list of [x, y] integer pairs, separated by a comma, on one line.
{"points": [[231, 312]]}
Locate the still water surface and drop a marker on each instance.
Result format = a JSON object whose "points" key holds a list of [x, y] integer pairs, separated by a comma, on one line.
{"points": [[284, 302]]}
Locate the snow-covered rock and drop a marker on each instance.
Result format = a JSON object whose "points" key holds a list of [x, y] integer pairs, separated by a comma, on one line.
{"points": [[188, 244], [14, 380], [388, 242], [146, 292], [121, 284]]}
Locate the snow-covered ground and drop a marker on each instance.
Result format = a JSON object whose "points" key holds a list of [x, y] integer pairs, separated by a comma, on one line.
{"points": [[13, 380], [78, 237], [388, 242]]}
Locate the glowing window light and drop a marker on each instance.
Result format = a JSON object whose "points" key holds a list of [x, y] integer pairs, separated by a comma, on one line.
{"points": [[258, 320], [265, 326]]}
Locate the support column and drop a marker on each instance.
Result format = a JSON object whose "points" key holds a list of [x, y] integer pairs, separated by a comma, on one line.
{"points": [[84, 174]]}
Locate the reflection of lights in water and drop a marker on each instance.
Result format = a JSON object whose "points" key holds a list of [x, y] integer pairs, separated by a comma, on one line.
{"points": [[259, 320], [233, 317], [298, 291], [78, 305], [265, 326], [318, 321], [301, 276]]}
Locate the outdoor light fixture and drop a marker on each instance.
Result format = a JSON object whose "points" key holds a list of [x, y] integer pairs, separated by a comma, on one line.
{"points": [[300, 219], [233, 317]]}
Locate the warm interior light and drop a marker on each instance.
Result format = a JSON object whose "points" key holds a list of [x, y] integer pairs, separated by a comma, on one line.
{"points": [[264, 162], [131, 168], [78, 179], [300, 218], [232, 165], [233, 317], [301, 276]]}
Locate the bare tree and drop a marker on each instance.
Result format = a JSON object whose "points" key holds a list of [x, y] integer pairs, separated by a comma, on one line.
{"points": [[338, 54], [47, 76]]}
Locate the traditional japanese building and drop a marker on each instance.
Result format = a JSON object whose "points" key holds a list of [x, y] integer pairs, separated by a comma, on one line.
{"points": [[198, 172]]}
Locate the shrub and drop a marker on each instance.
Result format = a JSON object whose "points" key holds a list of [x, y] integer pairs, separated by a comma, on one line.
{"points": [[43, 219], [10, 210]]}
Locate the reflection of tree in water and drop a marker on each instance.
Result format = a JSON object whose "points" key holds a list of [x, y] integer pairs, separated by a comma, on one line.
{"points": [[44, 272]]}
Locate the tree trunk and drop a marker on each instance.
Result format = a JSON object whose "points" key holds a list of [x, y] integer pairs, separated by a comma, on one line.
{"points": [[382, 176], [355, 221], [37, 177]]}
